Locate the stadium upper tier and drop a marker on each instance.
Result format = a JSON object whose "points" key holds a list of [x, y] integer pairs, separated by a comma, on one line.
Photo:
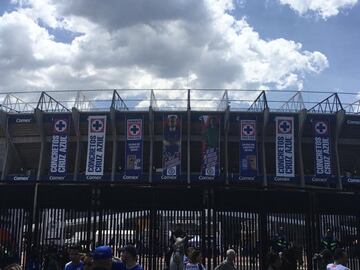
{"points": [[180, 100]]}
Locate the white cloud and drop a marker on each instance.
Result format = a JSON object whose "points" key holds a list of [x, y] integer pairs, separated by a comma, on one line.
{"points": [[323, 8], [144, 44]]}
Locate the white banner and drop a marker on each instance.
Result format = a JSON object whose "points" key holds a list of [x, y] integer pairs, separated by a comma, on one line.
{"points": [[285, 147], [96, 145]]}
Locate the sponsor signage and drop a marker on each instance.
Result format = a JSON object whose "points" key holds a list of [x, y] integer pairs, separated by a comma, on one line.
{"points": [[322, 150], [248, 155], [59, 147], [285, 164], [210, 165], [134, 148], [171, 152], [96, 146]]}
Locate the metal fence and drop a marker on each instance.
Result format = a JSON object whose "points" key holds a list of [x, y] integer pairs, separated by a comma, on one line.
{"points": [[39, 222]]}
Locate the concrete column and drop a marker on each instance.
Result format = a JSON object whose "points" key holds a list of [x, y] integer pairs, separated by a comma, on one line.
{"points": [[151, 135], [340, 117], [39, 118], [302, 119], [188, 137], [76, 120], [114, 143], [7, 156], [265, 124], [226, 143]]}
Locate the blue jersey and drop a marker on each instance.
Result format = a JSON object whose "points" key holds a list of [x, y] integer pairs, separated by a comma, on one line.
{"points": [[72, 266], [136, 267]]}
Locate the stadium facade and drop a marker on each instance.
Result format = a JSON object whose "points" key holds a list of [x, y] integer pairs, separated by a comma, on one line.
{"points": [[84, 172]]}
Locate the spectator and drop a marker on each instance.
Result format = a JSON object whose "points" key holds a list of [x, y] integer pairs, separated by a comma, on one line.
{"points": [[129, 257], [195, 261], [188, 252], [75, 263], [340, 261], [279, 243], [329, 241], [229, 262], [102, 258], [273, 261]]}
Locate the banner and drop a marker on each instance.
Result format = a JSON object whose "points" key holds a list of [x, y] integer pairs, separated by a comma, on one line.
{"points": [[285, 167], [171, 159], [96, 146], [248, 155], [59, 146], [210, 126], [134, 149], [322, 150]]}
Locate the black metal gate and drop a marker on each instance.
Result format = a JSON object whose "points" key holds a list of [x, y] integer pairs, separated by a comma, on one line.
{"points": [[41, 221]]}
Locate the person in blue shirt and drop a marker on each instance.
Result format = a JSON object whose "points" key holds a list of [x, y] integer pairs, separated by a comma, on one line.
{"points": [[129, 257], [75, 263]]}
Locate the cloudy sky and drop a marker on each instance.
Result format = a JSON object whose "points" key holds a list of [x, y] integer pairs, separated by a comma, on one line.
{"points": [[247, 44]]}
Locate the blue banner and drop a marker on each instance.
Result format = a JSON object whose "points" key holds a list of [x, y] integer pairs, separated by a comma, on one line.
{"points": [[285, 158], [171, 159], [322, 150], [210, 127], [96, 146], [59, 147], [134, 148], [248, 155]]}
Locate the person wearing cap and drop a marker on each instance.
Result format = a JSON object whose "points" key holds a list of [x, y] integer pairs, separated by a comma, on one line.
{"points": [[129, 257], [75, 263], [102, 258]]}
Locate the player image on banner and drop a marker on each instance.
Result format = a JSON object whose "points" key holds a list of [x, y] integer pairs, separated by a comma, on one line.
{"points": [[96, 146], [248, 155], [210, 126], [59, 146], [322, 150], [134, 148], [171, 160], [285, 167]]}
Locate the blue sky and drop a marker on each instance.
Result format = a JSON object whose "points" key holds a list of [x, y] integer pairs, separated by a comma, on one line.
{"points": [[338, 38], [86, 44]]}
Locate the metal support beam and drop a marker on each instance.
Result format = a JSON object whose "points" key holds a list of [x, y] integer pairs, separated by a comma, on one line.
{"points": [[39, 117], [224, 102], [340, 117], [353, 108], [115, 143], [82, 103], [151, 136], [226, 142], [153, 102], [260, 104], [76, 120], [118, 103], [294, 104], [48, 104], [14, 104], [188, 146], [331, 104], [302, 119], [265, 124]]}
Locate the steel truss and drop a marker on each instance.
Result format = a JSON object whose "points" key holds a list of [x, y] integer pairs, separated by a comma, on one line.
{"points": [[294, 104], [49, 104], [331, 104], [118, 103], [260, 103]]}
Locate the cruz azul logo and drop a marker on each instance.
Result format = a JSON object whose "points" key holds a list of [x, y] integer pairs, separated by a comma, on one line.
{"points": [[285, 127], [97, 125], [60, 126], [321, 128], [134, 129], [248, 131]]}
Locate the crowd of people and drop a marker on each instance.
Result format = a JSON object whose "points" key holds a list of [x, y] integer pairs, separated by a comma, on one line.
{"points": [[281, 256]]}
